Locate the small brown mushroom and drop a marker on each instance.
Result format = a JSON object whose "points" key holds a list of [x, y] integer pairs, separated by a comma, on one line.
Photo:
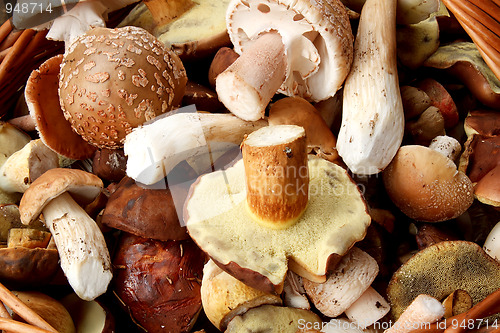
{"points": [[113, 80], [109, 164], [291, 50], [426, 186], [221, 61]]}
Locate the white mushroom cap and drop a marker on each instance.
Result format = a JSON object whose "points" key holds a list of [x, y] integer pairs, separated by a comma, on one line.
{"points": [[317, 37]]}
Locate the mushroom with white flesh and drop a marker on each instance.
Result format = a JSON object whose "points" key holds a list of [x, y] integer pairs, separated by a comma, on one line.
{"points": [[224, 297], [301, 213], [113, 80], [369, 308], [298, 48], [352, 276], [426, 185], [422, 311], [298, 111], [294, 294], [372, 114], [154, 149], [492, 242], [26, 165], [193, 28], [81, 245]]}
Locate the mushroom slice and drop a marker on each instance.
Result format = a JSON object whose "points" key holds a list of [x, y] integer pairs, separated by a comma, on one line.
{"points": [[426, 186], [81, 245], [439, 270], [224, 297], [308, 236], [308, 48], [43, 102], [274, 319], [352, 276]]}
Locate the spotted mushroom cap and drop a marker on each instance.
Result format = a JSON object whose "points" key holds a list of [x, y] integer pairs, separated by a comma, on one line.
{"points": [[113, 80]]}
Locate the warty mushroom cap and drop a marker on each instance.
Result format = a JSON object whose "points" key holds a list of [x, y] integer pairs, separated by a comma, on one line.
{"points": [[113, 80], [426, 186], [84, 187], [317, 37]]}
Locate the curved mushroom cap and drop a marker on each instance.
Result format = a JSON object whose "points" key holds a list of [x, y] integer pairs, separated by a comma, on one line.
{"points": [[317, 36], [43, 102], [84, 187], [224, 297], [426, 186], [439, 270], [113, 80]]}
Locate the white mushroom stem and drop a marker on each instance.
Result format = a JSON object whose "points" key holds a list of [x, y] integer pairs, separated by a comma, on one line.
{"points": [[446, 145], [248, 84], [368, 309], [155, 149], [276, 172], [422, 311], [81, 245], [25, 165], [492, 243]]}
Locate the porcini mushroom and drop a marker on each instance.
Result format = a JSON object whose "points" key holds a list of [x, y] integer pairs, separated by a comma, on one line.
{"points": [[426, 186], [113, 80], [82, 249], [301, 213], [299, 48], [439, 270]]}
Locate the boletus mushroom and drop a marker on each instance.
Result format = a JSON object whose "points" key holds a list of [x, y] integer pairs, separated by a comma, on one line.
{"points": [[426, 186], [113, 80], [439, 270], [299, 48], [300, 212], [81, 245]]}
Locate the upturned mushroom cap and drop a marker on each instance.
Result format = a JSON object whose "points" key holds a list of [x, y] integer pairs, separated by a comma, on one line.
{"points": [[439, 270], [43, 103], [84, 187], [336, 217], [317, 37], [113, 80], [426, 186]]}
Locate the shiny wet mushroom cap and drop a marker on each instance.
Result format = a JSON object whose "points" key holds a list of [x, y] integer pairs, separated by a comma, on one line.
{"points": [[113, 80]]}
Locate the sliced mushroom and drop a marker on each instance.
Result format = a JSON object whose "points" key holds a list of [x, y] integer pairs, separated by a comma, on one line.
{"points": [[313, 232], [352, 276], [299, 48], [426, 186], [81, 245]]}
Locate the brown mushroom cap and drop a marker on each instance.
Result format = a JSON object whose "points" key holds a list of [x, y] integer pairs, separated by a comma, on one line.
{"points": [[442, 268], [426, 186], [84, 187], [113, 80], [43, 102], [143, 212]]}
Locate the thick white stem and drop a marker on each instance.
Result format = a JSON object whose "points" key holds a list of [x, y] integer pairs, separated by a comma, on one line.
{"points": [[247, 86], [81, 245]]}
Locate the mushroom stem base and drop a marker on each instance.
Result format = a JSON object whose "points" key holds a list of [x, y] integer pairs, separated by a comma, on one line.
{"points": [[249, 83], [81, 245]]}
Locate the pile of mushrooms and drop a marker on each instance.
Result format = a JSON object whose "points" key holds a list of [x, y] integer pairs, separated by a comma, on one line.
{"points": [[335, 181]]}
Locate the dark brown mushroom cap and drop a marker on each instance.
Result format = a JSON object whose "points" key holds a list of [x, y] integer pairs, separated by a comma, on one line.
{"points": [[113, 80], [23, 267], [143, 212], [439, 270], [43, 102]]}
